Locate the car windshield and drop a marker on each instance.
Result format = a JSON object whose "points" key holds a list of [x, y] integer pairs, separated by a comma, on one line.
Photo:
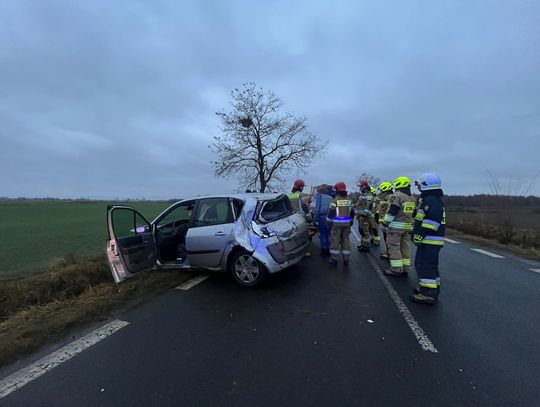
{"points": [[274, 210]]}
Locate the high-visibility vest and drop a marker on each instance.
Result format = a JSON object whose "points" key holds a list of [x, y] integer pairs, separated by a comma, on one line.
{"points": [[343, 210]]}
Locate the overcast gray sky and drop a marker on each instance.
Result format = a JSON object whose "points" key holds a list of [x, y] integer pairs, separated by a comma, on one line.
{"points": [[116, 99]]}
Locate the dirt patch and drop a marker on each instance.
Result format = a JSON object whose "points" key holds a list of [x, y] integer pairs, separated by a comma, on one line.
{"points": [[73, 293]]}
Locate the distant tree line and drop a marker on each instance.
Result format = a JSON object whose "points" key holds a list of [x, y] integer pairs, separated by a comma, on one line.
{"points": [[487, 200]]}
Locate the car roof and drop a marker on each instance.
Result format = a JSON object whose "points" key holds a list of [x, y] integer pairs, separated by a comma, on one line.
{"points": [[245, 196]]}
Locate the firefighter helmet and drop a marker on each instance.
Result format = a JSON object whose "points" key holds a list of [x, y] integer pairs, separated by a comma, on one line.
{"points": [[363, 183], [402, 182], [429, 181], [340, 187], [385, 186], [299, 183]]}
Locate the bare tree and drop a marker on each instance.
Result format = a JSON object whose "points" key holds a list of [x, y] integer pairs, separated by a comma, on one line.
{"points": [[512, 187], [259, 143]]}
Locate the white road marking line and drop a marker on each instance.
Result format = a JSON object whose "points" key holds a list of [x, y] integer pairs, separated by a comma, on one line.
{"points": [[450, 240], [355, 235], [495, 256], [535, 270], [192, 283], [42, 366], [418, 332]]}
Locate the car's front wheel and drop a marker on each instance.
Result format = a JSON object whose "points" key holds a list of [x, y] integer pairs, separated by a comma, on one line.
{"points": [[247, 270]]}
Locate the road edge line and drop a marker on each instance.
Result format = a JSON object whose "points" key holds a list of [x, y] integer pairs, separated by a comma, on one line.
{"points": [[192, 282], [417, 331], [25, 375], [486, 253]]}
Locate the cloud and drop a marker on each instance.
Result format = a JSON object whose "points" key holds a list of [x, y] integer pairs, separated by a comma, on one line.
{"points": [[117, 99]]}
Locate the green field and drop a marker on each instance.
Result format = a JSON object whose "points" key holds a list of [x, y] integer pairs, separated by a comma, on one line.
{"points": [[35, 232]]}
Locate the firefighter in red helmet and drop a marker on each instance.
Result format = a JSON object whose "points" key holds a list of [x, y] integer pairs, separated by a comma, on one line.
{"points": [[341, 218], [298, 202]]}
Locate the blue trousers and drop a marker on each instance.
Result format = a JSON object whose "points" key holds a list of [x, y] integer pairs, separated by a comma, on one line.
{"points": [[324, 233], [426, 263]]}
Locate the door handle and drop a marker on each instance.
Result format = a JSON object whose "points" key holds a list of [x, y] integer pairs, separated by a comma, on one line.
{"points": [[220, 234]]}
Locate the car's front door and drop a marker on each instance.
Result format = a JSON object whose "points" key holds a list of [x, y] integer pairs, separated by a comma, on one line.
{"points": [[131, 247], [210, 232]]}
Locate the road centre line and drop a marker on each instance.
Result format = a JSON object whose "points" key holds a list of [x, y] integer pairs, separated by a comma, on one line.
{"points": [[451, 241], [535, 270], [417, 331], [495, 256], [192, 283], [49, 362]]}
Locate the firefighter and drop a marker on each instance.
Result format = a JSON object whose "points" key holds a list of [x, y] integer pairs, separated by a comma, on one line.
{"points": [[341, 218], [298, 202], [297, 196], [385, 189], [374, 219], [399, 219], [428, 235], [362, 211]]}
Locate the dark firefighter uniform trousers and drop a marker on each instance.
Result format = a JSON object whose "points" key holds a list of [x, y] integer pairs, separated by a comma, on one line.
{"points": [[426, 263], [340, 242]]}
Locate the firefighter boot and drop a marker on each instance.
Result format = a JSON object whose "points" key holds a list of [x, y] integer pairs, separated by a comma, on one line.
{"points": [[390, 272], [422, 299]]}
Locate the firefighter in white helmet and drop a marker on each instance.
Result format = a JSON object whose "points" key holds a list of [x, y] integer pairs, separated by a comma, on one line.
{"points": [[428, 235]]}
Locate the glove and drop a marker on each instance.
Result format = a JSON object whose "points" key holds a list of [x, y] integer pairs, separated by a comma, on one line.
{"points": [[417, 239]]}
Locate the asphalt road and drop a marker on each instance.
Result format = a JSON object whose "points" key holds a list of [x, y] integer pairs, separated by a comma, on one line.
{"points": [[315, 335]]}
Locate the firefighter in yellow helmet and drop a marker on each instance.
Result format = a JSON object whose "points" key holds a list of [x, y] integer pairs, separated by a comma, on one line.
{"points": [[399, 220], [341, 218], [385, 190]]}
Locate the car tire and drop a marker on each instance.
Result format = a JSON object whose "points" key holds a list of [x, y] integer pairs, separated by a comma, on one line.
{"points": [[246, 270]]}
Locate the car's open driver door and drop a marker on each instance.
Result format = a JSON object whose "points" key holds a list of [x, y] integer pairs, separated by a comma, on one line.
{"points": [[131, 247]]}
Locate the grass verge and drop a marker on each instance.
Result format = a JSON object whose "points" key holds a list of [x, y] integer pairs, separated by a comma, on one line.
{"points": [[529, 253], [74, 292]]}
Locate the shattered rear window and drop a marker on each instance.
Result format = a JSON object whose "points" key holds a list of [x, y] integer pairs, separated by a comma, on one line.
{"points": [[276, 209]]}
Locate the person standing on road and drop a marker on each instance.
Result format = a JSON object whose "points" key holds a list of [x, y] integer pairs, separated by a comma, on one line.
{"points": [[298, 202], [399, 219], [362, 211], [428, 235], [375, 239], [322, 203], [385, 189], [341, 218]]}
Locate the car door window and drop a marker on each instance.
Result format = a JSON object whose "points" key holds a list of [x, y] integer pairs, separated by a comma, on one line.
{"points": [[127, 223], [213, 211]]}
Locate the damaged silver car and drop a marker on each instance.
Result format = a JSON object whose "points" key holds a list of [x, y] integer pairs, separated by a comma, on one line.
{"points": [[249, 235]]}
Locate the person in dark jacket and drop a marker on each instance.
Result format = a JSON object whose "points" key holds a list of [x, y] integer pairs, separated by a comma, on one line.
{"points": [[428, 235], [320, 212]]}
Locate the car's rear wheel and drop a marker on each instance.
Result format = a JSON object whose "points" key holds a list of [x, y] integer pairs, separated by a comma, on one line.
{"points": [[247, 270]]}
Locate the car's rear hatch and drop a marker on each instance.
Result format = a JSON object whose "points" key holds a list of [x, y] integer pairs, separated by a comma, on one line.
{"points": [[278, 218]]}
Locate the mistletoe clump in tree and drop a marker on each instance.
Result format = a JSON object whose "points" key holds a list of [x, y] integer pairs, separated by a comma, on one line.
{"points": [[259, 143]]}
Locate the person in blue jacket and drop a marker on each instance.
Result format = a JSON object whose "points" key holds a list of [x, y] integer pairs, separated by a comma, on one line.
{"points": [[320, 211], [428, 236]]}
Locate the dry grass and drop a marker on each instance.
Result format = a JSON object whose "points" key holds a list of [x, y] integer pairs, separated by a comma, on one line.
{"points": [[508, 225], [75, 292]]}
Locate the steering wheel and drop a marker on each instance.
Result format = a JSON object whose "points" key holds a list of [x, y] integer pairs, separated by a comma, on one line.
{"points": [[178, 226]]}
